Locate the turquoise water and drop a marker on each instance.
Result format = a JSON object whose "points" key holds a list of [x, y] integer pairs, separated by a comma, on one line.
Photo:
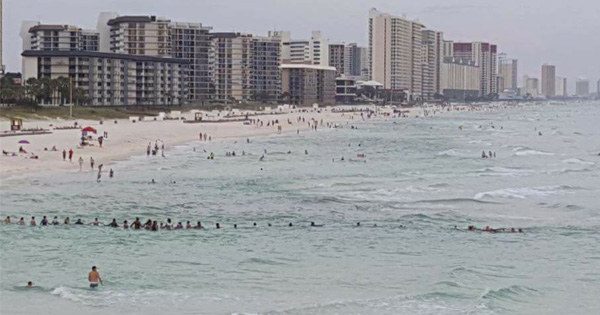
{"points": [[420, 179]]}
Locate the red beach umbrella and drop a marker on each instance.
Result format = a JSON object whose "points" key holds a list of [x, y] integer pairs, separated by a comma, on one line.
{"points": [[88, 129]]}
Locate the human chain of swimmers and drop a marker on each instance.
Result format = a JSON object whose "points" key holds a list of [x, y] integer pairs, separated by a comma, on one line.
{"points": [[155, 226]]}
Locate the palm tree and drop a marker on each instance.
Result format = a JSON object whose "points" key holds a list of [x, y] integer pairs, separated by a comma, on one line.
{"points": [[63, 86]]}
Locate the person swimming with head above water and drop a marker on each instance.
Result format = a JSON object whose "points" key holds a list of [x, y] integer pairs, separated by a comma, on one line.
{"points": [[315, 225]]}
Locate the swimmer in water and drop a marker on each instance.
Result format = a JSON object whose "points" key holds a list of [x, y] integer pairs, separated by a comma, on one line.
{"points": [[113, 223], [7, 220], [315, 225], [21, 221], [136, 224], [55, 221], [32, 222], [79, 222], [218, 226], [199, 226], [29, 284], [125, 225], [44, 221], [357, 223], [67, 221]]}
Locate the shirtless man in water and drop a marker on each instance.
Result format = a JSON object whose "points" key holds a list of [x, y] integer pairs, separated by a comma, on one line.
{"points": [[94, 278]]}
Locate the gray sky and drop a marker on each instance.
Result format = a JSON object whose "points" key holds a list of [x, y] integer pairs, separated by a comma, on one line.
{"points": [[565, 33]]}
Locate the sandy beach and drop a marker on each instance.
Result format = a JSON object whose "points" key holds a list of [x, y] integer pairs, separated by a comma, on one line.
{"points": [[126, 139]]}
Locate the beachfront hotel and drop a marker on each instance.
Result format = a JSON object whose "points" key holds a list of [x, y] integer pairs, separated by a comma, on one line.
{"points": [[561, 86], [308, 84], [110, 78], [336, 58], [507, 73], [485, 56], [460, 78], [395, 52], [245, 68]]}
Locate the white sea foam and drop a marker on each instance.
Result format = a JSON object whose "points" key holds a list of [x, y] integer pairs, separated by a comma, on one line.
{"points": [[524, 192], [578, 161]]}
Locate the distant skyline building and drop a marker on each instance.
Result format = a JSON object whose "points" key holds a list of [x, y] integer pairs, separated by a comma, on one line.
{"points": [[548, 80], [309, 84], [485, 56], [395, 52], [336, 58], [432, 45], [582, 87], [314, 51], [508, 72], [561, 86], [530, 86], [355, 60], [460, 78]]}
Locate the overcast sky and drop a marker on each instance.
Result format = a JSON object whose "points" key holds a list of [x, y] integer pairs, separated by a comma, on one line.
{"points": [[561, 32]]}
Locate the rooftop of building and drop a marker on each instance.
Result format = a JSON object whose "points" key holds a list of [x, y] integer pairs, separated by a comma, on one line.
{"points": [[95, 54], [51, 27], [135, 19]]}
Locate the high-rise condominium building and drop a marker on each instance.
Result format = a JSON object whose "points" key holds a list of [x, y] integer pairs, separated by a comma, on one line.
{"points": [[314, 51], [112, 79], [582, 87], [548, 80], [395, 52], [561, 86], [60, 38], [485, 56], [432, 62], [460, 78], [355, 60], [140, 35], [448, 48], [508, 72], [192, 42], [308, 84], [336, 58], [245, 68], [531, 86]]}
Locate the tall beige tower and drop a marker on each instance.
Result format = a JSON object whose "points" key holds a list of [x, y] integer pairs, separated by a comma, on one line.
{"points": [[395, 52], [548, 80]]}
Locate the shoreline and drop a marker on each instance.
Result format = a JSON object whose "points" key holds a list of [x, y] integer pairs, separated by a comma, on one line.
{"points": [[126, 139]]}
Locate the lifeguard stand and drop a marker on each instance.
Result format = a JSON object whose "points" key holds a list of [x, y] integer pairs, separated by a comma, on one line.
{"points": [[16, 124]]}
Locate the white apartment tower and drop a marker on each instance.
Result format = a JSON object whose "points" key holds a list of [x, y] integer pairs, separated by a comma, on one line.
{"points": [[140, 35], [582, 87], [561, 86], [508, 71], [314, 51], [432, 62], [395, 52]]}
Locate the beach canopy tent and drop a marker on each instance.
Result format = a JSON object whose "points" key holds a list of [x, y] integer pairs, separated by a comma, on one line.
{"points": [[88, 129]]}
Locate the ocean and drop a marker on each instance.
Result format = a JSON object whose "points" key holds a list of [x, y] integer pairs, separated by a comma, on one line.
{"points": [[418, 179]]}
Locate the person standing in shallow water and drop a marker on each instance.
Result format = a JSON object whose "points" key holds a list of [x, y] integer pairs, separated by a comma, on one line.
{"points": [[94, 278]]}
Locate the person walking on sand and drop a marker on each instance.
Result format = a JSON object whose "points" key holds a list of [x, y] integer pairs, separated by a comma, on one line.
{"points": [[64, 155], [148, 149], [80, 163], [94, 278], [71, 155], [111, 173], [92, 162]]}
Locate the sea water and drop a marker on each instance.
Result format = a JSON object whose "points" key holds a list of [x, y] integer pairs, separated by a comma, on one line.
{"points": [[418, 180]]}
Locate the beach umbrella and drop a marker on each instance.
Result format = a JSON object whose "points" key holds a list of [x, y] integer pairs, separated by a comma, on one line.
{"points": [[88, 129], [23, 142]]}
